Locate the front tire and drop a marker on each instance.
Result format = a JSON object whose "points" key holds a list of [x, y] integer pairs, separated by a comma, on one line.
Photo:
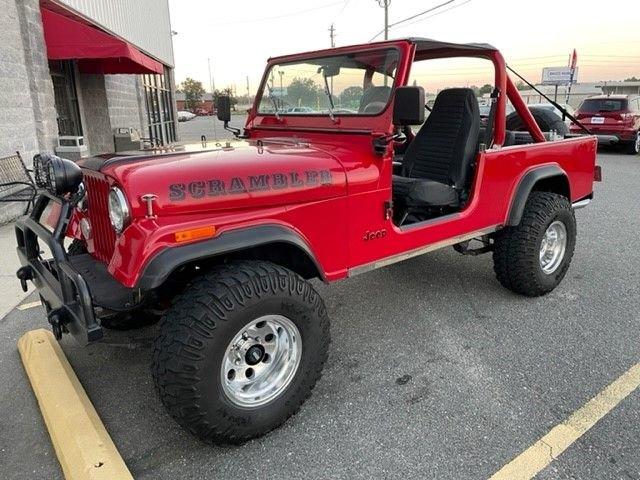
{"points": [[220, 360], [533, 257]]}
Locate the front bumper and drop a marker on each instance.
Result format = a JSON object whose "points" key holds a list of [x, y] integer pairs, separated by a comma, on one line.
{"points": [[63, 291]]}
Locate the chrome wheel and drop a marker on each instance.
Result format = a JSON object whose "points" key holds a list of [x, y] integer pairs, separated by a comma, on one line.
{"points": [[553, 247], [261, 360], [637, 145]]}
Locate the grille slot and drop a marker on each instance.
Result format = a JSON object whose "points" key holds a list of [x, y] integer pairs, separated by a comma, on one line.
{"points": [[103, 235]]}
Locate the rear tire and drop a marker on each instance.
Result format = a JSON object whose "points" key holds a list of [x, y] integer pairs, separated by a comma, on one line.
{"points": [[546, 120], [215, 324], [518, 258], [633, 147]]}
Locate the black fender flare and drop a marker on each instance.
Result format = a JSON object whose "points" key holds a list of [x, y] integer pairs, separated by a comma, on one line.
{"points": [[164, 263], [525, 186]]}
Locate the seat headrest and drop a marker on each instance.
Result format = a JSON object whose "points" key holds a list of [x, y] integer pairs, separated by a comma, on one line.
{"points": [[374, 94], [456, 96]]}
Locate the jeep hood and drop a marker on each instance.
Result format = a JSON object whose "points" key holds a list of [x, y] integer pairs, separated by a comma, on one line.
{"points": [[238, 177]]}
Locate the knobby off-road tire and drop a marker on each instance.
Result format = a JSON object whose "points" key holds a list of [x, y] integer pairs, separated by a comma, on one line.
{"points": [[197, 334], [517, 250], [546, 120]]}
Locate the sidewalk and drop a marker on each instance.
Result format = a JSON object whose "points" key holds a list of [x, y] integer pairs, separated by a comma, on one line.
{"points": [[10, 292]]}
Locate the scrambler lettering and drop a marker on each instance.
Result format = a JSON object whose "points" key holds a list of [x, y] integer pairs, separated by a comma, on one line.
{"points": [[252, 183]]}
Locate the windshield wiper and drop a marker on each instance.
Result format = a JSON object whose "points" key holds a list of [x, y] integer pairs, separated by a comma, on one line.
{"points": [[328, 93], [273, 100]]}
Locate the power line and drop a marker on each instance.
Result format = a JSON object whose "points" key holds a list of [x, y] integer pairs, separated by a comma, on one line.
{"points": [[386, 5], [437, 13], [344, 6], [422, 13]]}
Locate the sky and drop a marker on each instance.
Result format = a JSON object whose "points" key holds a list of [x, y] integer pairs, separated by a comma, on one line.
{"points": [[237, 37]]}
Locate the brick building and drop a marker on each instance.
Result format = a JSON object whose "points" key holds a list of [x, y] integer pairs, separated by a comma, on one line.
{"points": [[82, 68], [206, 102]]}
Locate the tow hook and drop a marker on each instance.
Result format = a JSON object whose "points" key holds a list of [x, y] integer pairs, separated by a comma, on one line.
{"points": [[58, 319], [24, 273]]}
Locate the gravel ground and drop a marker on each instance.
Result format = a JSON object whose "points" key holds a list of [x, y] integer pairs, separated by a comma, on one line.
{"points": [[435, 371]]}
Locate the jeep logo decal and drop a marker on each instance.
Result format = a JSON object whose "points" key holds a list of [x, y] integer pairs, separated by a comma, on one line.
{"points": [[252, 183]]}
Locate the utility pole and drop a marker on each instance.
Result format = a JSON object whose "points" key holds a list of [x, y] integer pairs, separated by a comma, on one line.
{"points": [[332, 35], [385, 4], [212, 84], [248, 94], [212, 87], [281, 73]]}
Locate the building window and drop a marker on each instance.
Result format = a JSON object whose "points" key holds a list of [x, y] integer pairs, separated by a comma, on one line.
{"points": [[158, 100], [65, 97]]}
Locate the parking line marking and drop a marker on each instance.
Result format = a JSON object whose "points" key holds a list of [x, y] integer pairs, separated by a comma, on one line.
{"points": [[83, 446], [558, 439], [26, 306]]}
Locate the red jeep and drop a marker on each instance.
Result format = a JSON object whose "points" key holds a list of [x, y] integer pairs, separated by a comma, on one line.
{"points": [[223, 242]]}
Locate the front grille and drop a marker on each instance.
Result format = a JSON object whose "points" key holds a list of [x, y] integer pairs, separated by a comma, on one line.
{"points": [[103, 235]]}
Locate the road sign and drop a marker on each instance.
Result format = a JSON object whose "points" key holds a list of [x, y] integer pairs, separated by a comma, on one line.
{"points": [[558, 75]]}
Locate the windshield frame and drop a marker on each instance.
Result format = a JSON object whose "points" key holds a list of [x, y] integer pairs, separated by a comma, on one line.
{"points": [[262, 89]]}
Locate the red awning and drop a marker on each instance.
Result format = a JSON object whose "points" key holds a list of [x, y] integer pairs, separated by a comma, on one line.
{"points": [[96, 51]]}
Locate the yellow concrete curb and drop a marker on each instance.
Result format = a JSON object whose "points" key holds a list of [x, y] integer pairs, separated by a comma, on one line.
{"points": [[83, 446]]}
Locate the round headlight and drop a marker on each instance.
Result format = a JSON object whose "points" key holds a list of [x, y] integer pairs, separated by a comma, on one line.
{"points": [[118, 210], [51, 177], [61, 176]]}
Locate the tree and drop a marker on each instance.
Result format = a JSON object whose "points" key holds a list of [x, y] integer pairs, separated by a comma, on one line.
{"points": [[303, 91], [521, 85], [486, 88], [350, 96], [228, 92], [193, 92], [632, 79]]}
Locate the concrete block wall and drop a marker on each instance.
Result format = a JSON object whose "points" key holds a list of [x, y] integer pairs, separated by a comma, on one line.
{"points": [[27, 111], [108, 102], [125, 101], [96, 124]]}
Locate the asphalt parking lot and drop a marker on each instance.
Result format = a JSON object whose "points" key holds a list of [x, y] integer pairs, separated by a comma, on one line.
{"points": [[210, 127], [435, 371]]}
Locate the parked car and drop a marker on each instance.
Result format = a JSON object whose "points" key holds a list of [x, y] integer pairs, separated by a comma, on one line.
{"points": [[184, 116], [614, 119], [224, 242], [485, 110], [203, 112]]}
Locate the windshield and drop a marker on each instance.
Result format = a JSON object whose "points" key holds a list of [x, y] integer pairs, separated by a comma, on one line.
{"points": [[350, 84], [595, 105]]}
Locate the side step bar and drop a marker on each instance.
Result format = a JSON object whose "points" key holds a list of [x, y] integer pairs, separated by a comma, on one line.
{"points": [[581, 203]]}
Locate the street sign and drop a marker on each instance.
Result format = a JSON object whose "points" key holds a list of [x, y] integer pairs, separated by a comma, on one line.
{"points": [[558, 75]]}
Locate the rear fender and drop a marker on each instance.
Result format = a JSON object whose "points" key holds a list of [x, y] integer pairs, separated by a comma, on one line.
{"points": [[548, 178]]}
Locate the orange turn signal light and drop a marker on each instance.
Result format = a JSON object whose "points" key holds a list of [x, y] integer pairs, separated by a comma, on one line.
{"points": [[195, 233]]}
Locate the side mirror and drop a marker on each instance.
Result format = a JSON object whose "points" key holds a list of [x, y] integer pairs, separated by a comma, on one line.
{"points": [[408, 106], [224, 108], [329, 70]]}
